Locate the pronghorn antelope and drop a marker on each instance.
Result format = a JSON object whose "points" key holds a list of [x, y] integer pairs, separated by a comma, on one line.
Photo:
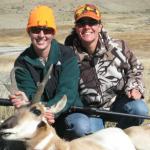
{"points": [[29, 125], [140, 136], [32, 128]]}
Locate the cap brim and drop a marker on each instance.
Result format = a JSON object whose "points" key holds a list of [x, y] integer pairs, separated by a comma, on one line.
{"points": [[89, 16]]}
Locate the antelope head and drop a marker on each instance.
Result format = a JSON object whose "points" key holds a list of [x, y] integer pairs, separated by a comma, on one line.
{"points": [[27, 120]]}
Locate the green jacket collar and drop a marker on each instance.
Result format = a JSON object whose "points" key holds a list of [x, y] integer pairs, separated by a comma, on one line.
{"points": [[53, 57]]}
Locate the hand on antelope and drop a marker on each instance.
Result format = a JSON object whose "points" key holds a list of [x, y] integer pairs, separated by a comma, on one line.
{"points": [[19, 99], [49, 116], [134, 94]]}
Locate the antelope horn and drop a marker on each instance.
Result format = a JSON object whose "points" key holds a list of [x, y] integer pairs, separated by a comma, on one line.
{"points": [[41, 86], [12, 88]]}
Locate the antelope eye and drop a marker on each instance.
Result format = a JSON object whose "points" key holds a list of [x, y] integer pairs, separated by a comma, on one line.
{"points": [[35, 111]]}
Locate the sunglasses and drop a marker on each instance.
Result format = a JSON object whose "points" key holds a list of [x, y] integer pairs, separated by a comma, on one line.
{"points": [[90, 22], [37, 30]]}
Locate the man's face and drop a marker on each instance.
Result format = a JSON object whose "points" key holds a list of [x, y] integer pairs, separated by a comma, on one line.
{"points": [[41, 37], [88, 30]]}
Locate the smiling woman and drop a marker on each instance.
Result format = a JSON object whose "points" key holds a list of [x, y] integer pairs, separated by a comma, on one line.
{"points": [[35, 60], [87, 30], [110, 74]]}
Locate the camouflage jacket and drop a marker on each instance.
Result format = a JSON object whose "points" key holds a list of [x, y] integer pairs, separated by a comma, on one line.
{"points": [[111, 71]]}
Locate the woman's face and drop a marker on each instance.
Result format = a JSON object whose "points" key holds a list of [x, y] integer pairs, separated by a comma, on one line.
{"points": [[88, 31], [41, 38]]}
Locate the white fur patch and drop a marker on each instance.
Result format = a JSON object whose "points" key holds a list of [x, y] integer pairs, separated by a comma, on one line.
{"points": [[112, 139], [22, 130], [43, 143], [52, 147]]}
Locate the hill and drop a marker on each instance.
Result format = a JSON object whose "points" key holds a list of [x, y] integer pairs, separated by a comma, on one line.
{"points": [[14, 13]]}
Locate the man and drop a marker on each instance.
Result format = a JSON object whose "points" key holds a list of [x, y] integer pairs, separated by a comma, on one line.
{"points": [[35, 61], [111, 75]]}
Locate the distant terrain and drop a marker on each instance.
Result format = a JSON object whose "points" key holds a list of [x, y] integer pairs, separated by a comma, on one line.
{"points": [[14, 13]]}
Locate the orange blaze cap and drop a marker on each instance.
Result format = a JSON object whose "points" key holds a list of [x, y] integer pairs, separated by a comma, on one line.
{"points": [[87, 10], [41, 16]]}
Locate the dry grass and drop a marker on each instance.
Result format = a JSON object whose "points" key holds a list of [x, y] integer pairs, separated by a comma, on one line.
{"points": [[6, 63]]}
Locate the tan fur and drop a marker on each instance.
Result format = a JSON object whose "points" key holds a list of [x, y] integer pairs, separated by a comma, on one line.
{"points": [[40, 134], [140, 136], [85, 144], [60, 144]]}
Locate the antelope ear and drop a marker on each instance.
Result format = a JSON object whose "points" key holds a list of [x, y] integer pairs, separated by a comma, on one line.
{"points": [[59, 105]]}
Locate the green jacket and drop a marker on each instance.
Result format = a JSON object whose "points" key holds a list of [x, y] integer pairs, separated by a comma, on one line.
{"points": [[64, 80]]}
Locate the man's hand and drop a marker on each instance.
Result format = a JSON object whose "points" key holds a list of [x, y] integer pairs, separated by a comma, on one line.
{"points": [[18, 99], [49, 116], [134, 94]]}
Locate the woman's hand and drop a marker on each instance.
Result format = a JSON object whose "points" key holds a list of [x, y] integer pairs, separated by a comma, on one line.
{"points": [[49, 116], [19, 99], [134, 94]]}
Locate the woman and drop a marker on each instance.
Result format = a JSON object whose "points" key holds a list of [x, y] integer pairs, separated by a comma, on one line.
{"points": [[111, 75]]}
